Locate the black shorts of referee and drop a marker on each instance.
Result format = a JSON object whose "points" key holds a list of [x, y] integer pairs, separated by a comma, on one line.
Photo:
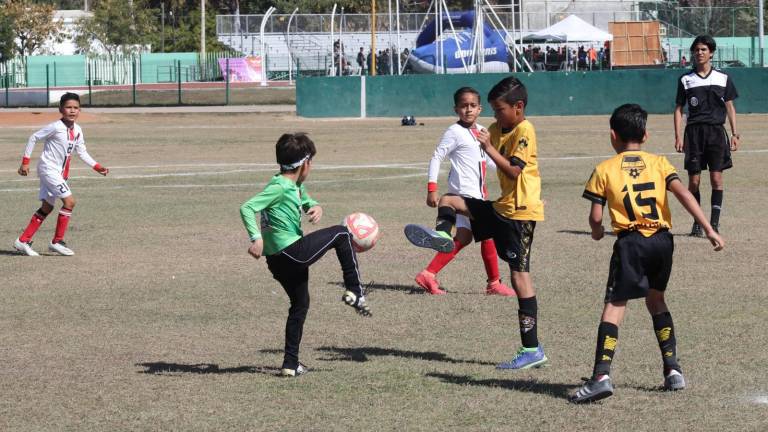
{"points": [[706, 146]]}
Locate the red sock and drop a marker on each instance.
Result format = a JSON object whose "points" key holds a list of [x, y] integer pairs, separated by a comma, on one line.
{"points": [[61, 224], [443, 258], [490, 259], [34, 224]]}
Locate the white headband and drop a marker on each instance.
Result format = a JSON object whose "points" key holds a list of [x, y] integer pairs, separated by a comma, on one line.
{"points": [[295, 165]]}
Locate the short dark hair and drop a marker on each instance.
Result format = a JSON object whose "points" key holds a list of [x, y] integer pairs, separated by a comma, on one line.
{"points": [[510, 90], [628, 121], [707, 40], [462, 91], [292, 148], [68, 97]]}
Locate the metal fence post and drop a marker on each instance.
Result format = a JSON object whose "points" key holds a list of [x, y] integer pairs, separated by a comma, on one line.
{"points": [[227, 82], [178, 77], [90, 84], [47, 86], [133, 79], [55, 81], [7, 79]]}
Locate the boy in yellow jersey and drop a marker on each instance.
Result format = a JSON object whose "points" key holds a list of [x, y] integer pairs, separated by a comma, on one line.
{"points": [[511, 219], [634, 185]]}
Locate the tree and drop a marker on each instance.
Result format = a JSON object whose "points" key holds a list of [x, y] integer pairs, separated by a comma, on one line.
{"points": [[33, 25], [6, 37], [117, 26]]}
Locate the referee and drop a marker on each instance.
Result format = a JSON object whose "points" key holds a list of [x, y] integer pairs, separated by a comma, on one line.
{"points": [[709, 95]]}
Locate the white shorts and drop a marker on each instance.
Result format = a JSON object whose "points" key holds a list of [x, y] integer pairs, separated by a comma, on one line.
{"points": [[463, 222], [53, 187]]}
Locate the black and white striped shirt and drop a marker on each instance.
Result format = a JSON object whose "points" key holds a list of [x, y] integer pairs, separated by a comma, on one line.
{"points": [[705, 96]]}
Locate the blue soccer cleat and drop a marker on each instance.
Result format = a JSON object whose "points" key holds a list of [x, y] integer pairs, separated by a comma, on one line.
{"points": [[526, 358], [422, 236]]}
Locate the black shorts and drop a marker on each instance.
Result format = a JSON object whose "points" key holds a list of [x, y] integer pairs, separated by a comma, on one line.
{"points": [[706, 147], [638, 264], [513, 238]]}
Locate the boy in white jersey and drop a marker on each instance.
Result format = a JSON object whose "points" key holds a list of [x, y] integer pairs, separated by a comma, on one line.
{"points": [[61, 138], [466, 178]]}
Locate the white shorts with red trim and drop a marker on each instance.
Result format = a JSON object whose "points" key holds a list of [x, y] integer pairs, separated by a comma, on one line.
{"points": [[53, 187]]}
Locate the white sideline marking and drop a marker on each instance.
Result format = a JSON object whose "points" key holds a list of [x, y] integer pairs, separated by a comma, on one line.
{"points": [[759, 399], [265, 166], [213, 186]]}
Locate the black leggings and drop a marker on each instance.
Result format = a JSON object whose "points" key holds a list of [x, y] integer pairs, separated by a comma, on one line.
{"points": [[290, 267]]}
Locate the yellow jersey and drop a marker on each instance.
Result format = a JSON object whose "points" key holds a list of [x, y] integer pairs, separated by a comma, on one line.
{"points": [[634, 185], [521, 197]]}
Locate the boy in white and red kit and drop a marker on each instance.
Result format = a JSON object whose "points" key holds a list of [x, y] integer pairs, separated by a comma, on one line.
{"points": [[61, 138], [467, 178]]}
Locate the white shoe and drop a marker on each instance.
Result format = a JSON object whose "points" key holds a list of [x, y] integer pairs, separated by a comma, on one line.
{"points": [[25, 248], [60, 248]]}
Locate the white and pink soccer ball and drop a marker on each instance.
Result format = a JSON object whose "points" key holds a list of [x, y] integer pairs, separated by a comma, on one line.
{"points": [[364, 229]]}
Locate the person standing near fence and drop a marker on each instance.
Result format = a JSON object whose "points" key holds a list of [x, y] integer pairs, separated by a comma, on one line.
{"points": [[361, 62], [709, 95]]}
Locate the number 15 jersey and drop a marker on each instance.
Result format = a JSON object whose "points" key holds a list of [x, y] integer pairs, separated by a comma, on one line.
{"points": [[634, 185]]}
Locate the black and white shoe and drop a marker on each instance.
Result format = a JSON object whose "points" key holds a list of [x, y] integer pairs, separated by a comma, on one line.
{"points": [[696, 230], [422, 236], [25, 248], [593, 390], [358, 302], [300, 370], [674, 381], [60, 248]]}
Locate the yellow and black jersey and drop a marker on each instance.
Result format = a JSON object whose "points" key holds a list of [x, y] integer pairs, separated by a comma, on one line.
{"points": [[634, 185], [521, 197]]}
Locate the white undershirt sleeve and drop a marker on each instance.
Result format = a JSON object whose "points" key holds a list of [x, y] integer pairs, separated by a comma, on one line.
{"points": [[446, 145]]}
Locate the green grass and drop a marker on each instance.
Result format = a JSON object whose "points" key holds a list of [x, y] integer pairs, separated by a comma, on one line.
{"points": [[163, 322]]}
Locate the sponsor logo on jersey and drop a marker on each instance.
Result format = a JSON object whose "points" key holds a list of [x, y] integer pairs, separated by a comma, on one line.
{"points": [[694, 101], [633, 165]]}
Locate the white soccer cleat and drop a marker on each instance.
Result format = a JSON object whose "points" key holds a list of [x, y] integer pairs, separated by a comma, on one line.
{"points": [[60, 248], [25, 248]]}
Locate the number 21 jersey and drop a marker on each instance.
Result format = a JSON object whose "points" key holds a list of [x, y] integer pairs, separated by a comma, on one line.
{"points": [[634, 186]]}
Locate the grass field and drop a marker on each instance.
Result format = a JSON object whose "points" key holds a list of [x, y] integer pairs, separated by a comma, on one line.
{"points": [[163, 322]]}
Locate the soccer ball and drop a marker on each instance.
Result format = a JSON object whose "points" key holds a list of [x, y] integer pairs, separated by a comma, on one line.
{"points": [[364, 229]]}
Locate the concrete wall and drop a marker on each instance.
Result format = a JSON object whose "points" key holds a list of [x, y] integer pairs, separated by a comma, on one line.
{"points": [[549, 93]]}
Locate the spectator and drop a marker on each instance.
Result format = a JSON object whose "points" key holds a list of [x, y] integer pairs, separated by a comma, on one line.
{"points": [[683, 62], [406, 67], [361, 62]]}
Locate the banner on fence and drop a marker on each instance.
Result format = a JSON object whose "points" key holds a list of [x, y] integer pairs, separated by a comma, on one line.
{"points": [[243, 69]]}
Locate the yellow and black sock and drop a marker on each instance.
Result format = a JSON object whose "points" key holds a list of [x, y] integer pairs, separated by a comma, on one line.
{"points": [[607, 337], [665, 335]]}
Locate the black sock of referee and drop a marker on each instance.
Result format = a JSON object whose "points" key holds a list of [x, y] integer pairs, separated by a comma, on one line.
{"points": [[717, 205], [526, 314], [697, 195], [607, 337], [446, 219], [665, 335]]}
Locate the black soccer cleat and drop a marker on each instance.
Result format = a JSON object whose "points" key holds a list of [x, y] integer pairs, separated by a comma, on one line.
{"points": [[696, 230], [358, 303], [593, 390]]}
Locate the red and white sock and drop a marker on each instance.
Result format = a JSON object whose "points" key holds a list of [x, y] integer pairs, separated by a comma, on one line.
{"points": [[32, 227], [443, 258], [490, 259], [62, 223]]}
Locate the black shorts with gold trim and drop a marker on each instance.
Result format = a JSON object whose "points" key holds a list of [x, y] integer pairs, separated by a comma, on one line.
{"points": [[513, 238], [638, 264]]}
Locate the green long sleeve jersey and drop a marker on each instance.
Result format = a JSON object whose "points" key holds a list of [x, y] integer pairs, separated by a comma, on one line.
{"points": [[280, 204]]}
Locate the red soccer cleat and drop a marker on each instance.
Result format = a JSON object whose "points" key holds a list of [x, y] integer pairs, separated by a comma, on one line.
{"points": [[498, 288], [428, 281]]}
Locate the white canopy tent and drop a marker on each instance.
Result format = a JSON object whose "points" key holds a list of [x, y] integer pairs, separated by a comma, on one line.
{"points": [[570, 30]]}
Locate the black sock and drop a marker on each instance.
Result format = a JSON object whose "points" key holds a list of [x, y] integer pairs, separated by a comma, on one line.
{"points": [[717, 205], [446, 219], [607, 337], [697, 195], [526, 314], [665, 334]]}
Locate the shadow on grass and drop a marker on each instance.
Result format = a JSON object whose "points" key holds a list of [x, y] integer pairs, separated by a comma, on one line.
{"points": [[361, 354], [586, 233], [556, 390], [11, 253], [163, 368], [372, 287]]}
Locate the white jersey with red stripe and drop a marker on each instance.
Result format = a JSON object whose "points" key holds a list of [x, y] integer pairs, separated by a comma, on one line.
{"points": [[469, 162], [60, 141]]}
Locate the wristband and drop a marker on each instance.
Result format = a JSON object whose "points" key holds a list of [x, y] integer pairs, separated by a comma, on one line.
{"points": [[25, 160], [431, 187], [97, 167]]}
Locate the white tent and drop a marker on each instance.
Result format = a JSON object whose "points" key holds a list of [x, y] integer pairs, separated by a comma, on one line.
{"points": [[571, 29]]}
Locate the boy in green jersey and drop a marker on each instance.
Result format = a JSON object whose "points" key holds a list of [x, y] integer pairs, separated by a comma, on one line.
{"points": [[289, 252]]}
